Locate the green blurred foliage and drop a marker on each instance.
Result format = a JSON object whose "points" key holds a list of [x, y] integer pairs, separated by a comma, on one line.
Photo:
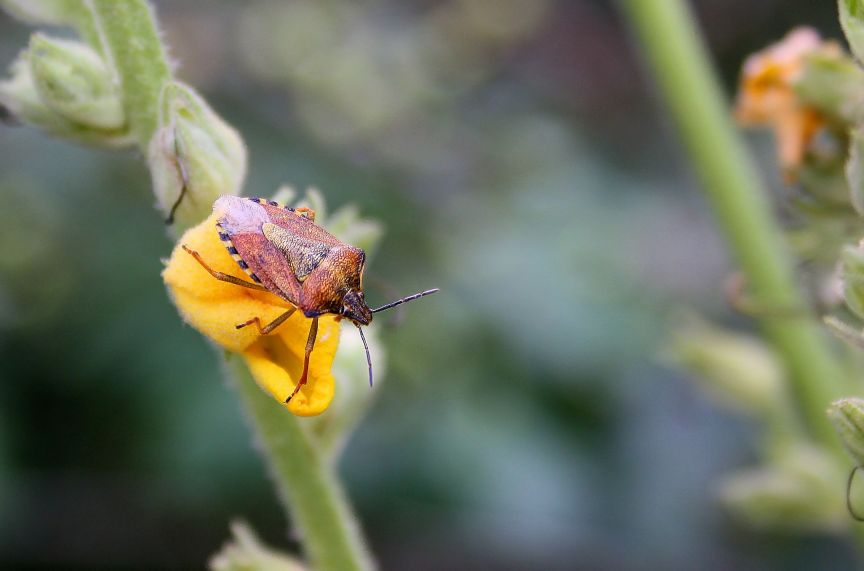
{"points": [[516, 161]]}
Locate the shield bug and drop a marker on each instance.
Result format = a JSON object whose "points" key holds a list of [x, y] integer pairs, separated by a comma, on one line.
{"points": [[285, 253]]}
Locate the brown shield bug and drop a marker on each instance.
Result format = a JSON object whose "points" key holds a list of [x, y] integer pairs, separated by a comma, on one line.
{"points": [[285, 253]]}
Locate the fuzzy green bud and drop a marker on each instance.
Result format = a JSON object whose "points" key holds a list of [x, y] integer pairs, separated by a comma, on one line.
{"points": [[22, 98], [852, 20], [737, 369], [852, 273], [847, 416], [194, 156], [74, 82], [855, 169], [19, 98], [832, 82], [798, 491], [349, 227]]}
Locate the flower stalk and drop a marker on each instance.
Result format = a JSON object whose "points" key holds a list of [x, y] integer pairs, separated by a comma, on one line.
{"points": [[678, 58], [206, 158], [130, 41], [304, 478]]}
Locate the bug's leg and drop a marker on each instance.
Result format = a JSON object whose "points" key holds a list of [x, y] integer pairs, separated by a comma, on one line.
{"points": [[310, 343], [306, 213], [270, 326], [220, 276]]}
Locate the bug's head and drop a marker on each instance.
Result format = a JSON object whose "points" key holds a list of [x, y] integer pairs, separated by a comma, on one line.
{"points": [[354, 307]]}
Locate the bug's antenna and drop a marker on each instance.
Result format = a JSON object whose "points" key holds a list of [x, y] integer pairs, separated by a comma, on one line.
{"points": [[404, 299], [366, 346]]}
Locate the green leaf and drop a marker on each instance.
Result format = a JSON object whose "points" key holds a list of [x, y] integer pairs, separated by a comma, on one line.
{"points": [[195, 157], [847, 416], [74, 82]]}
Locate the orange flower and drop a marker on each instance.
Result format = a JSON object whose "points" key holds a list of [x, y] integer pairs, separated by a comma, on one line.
{"points": [[766, 96], [214, 307]]}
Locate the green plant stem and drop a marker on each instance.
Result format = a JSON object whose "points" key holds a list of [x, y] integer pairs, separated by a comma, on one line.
{"points": [[130, 39], [668, 36], [305, 480]]}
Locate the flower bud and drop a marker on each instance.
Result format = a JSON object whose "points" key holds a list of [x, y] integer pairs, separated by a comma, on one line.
{"points": [[194, 156], [855, 169], [21, 98], [74, 82], [737, 369], [832, 82], [247, 552], [822, 177], [847, 416], [800, 491], [852, 260], [852, 20], [347, 225]]}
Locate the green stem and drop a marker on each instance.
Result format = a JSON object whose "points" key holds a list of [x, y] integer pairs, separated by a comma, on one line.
{"points": [[678, 57], [130, 39], [305, 480], [84, 22]]}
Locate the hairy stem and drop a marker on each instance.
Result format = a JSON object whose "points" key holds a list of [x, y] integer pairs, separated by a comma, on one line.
{"points": [[130, 40], [668, 37], [305, 480]]}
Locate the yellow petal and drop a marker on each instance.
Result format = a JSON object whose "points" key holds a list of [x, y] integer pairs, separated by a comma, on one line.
{"points": [[276, 362], [215, 307], [211, 306]]}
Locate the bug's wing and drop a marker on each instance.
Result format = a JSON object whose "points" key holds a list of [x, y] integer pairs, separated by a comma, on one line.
{"points": [[267, 265], [303, 242], [240, 225], [298, 224], [303, 254]]}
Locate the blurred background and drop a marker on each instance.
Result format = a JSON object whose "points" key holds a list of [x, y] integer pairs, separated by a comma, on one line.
{"points": [[518, 161]]}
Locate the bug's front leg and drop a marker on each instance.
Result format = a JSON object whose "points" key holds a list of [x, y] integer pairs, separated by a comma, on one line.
{"points": [[223, 277], [306, 212], [310, 344], [270, 326]]}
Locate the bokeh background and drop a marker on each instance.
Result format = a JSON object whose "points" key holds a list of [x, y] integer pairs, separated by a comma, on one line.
{"points": [[519, 161]]}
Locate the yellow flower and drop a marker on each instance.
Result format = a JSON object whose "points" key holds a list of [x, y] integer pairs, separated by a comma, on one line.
{"points": [[214, 307], [766, 95]]}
